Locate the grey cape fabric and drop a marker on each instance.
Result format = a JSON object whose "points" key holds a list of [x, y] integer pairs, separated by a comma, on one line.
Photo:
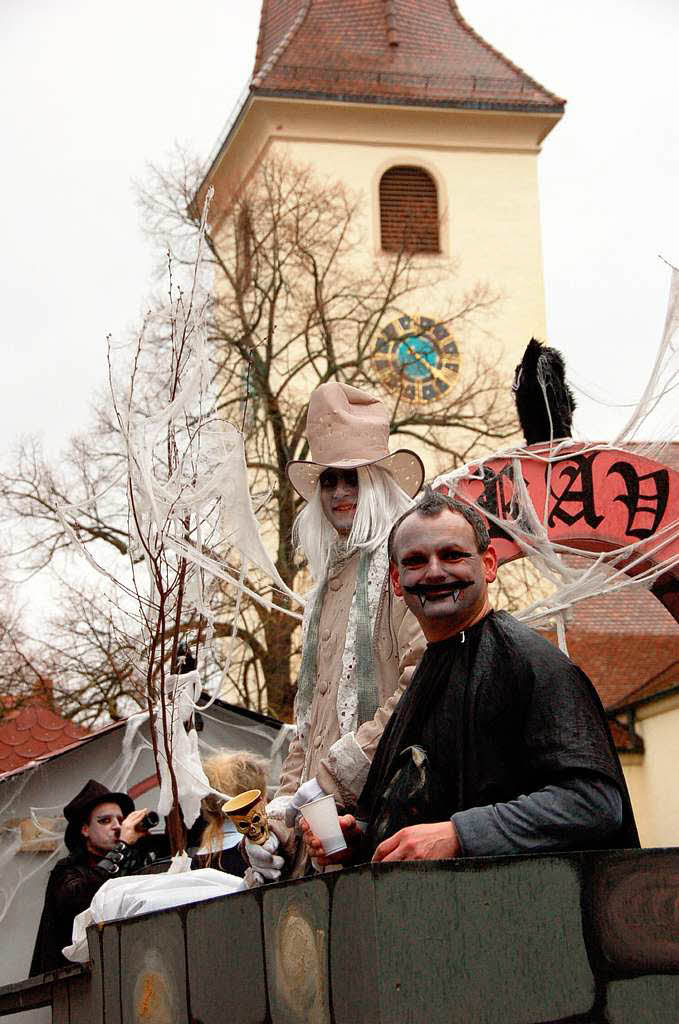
{"points": [[499, 712]]}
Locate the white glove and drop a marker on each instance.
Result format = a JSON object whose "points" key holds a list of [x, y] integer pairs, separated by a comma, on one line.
{"points": [[304, 795], [264, 864]]}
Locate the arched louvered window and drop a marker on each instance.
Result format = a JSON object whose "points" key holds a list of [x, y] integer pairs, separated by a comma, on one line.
{"points": [[409, 214]]}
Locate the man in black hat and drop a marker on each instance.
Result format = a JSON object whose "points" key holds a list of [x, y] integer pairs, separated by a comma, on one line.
{"points": [[101, 838]]}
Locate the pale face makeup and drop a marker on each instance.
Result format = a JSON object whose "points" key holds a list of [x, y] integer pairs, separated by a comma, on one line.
{"points": [[102, 830], [339, 498], [440, 573]]}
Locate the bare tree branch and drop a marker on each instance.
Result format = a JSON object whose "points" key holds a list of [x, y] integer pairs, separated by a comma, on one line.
{"points": [[292, 308]]}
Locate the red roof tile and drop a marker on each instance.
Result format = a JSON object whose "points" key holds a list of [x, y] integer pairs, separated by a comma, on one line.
{"points": [[632, 611], [620, 664], [387, 51], [665, 680], [34, 731]]}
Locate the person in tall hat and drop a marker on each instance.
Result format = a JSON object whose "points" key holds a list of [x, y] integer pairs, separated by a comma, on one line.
{"points": [[360, 644], [102, 838]]}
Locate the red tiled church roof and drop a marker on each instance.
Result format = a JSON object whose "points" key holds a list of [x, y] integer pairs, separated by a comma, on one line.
{"points": [[387, 51], [34, 731]]}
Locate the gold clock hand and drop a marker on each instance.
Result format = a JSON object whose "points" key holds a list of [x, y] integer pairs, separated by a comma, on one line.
{"points": [[434, 371], [419, 358]]}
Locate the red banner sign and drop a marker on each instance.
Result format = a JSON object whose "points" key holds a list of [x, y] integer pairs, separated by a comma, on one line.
{"points": [[589, 499]]}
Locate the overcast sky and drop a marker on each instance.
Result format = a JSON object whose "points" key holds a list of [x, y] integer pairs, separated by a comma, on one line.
{"points": [[92, 92]]}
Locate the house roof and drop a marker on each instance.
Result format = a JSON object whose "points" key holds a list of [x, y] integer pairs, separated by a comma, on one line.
{"points": [[387, 51], [71, 739], [33, 732], [632, 611], [620, 664], [662, 684]]}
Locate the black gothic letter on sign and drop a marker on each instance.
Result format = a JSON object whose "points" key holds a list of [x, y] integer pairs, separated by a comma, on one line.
{"points": [[656, 501], [495, 500], [584, 498]]}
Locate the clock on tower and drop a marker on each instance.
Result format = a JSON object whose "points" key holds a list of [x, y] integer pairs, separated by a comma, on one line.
{"points": [[417, 357]]}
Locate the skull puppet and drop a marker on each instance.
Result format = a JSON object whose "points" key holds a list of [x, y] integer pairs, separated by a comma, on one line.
{"points": [[248, 813]]}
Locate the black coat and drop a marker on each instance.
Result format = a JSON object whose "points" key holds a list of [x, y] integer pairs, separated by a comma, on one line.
{"points": [[71, 887], [230, 861]]}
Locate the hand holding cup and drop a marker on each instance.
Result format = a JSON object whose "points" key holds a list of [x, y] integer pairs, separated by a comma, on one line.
{"points": [[352, 837]]}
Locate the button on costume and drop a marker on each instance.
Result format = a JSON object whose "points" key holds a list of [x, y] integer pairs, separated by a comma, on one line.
{"points": [[360, 643]]}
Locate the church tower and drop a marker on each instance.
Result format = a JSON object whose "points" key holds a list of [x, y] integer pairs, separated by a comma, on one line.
{"points": [[440, 133]]}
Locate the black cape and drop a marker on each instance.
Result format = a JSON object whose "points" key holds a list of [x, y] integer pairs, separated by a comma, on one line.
{"points": [[499, 714]]}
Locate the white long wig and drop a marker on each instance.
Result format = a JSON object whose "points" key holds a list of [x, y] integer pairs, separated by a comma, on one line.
{"points": [[380, 502]]}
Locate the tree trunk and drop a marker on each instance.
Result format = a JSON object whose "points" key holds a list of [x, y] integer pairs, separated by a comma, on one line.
{"points": [[276, 666]]}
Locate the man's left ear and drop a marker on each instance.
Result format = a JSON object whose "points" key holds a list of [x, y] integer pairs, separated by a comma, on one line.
{"points": [[395, 579], [489, 559]]}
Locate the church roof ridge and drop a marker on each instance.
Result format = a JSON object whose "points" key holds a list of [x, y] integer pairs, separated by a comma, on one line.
{"points": [[260, 72], [387, 51]]}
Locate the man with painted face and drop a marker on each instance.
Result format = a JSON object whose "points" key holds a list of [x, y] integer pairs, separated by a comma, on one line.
{"points": [[500, 744], [102, 837], [360, 644]]}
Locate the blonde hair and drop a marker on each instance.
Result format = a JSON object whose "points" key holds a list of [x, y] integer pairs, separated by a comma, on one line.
{"points": [[231, 772]]}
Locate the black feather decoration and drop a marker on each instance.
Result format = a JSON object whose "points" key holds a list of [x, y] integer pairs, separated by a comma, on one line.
{"points": [[543, 366]]}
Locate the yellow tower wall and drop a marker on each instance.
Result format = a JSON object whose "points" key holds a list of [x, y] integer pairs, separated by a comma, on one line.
{"points": [[485, 167], [655, 798]]}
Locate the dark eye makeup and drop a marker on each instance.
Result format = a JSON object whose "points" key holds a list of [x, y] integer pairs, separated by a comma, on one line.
{"points": [[329, 478]]}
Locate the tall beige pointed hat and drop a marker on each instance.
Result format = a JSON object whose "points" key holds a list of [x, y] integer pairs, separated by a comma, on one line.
{"points": [[347, 428]]}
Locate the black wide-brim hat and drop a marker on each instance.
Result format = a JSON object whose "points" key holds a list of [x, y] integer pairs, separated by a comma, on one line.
{"points": [[78, 810]]}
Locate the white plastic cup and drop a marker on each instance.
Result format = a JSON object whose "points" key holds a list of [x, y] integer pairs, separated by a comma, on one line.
{"points": [[324, 821]]}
